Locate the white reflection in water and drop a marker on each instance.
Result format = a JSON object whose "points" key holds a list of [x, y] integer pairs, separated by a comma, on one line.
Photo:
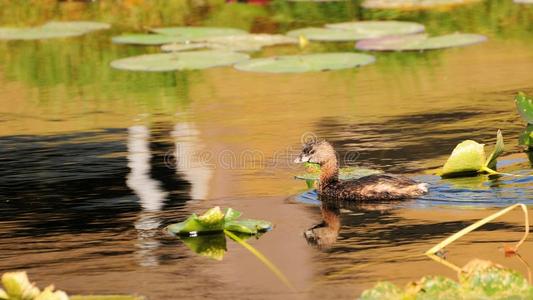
{"points": [[189, 160], [149, 191]]}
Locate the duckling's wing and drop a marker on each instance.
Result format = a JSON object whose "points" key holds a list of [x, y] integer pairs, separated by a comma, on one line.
{"points": [[384, 187]]}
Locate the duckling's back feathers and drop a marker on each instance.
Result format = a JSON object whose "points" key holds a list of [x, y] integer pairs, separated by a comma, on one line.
{"points": [[373, 188]]}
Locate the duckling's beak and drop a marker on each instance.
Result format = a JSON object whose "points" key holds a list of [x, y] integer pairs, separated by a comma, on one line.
{"points": [[301, 159]]}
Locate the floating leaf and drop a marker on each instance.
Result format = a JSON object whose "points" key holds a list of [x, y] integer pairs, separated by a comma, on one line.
{"points": [[526, 137], [306, 63], [477, 280], [498, 150], [327, 34], [84, 26], [481, 277], [468, 158], [145, 39], [179, 61], [376, 29], [242, 42], [524, 105], [382, 290], [37, 33], [215, 221], [18, 286], [418, 42], [195, 33], [346, 173]]}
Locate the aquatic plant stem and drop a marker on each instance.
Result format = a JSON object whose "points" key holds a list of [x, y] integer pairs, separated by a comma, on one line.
{"points": [[262, 258], [482, 222]]}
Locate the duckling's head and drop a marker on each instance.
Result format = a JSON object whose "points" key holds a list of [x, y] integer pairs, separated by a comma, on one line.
{"points": [[318, 152]]}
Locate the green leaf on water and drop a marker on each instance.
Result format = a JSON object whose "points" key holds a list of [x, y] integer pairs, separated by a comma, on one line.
{"points": [[189, 60], [468, 158], [477, 280], [524, 106], [145, 39], [419, 42], [215, 221], [306, 63], [526, 137], [498, 150]]}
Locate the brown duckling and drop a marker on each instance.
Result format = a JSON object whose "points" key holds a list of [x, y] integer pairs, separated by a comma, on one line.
{"points": [[368, 188]]}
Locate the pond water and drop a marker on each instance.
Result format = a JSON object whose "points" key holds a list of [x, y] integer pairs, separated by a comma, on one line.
{"points": [[94, 162]]}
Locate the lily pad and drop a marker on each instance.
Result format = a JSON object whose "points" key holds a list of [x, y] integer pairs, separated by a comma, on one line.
{"points": [[419, 42], [237, 43], [526, 137], [412, 4], [145, 39], [327, 34], [377, 29], [85, 26], [478, 280], [306, 63], [195, 33], [214, 221], [346, 173], [179, 61], [37, 33], [468, 158], [524, 106]]}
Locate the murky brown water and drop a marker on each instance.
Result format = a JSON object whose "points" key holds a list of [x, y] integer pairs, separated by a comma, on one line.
{"points": [[95, 162]]}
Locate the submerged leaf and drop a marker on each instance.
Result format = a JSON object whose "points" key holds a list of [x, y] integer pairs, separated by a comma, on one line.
{"points": [[498, 150], [524, 106]]}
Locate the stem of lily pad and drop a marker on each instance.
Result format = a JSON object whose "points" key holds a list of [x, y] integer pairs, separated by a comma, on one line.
{"points": [[262, 258], [482, 222]]}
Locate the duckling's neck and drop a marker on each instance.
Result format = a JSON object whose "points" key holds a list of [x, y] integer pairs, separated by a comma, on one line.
{"points": [[329, 172]]}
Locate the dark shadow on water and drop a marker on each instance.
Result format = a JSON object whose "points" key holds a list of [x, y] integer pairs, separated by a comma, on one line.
{"points": [[77, 182]]}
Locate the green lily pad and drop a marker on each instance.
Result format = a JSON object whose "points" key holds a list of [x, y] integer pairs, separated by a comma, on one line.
{"points": [[179, 61], [524, 106], [478, 280], [526, 137], [412, 4], [377, 29], [417, 42], [468, 158], [306, 63], [195, 33], [51, 30], [346, 173], [327, 34], [85, 26], [145, 39], [215, 221], [237, 43], [37, 33]]}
